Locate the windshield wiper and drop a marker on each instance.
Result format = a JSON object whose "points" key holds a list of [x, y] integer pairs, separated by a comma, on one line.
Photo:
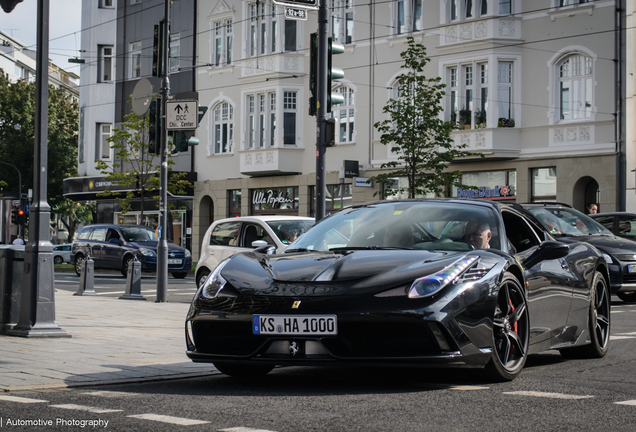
{"points": [[346, 248]]}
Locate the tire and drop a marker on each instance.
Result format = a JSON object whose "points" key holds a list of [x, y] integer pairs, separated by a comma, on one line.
{"points": [[179, 275], [79, 260], [628, 297], [243, 370], [599, 322], [203, 274], [58, 260], [510, 332], [127, 263]]}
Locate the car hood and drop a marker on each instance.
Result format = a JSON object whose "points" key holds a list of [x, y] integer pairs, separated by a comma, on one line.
{"points": [[327, 273], [607, 243]]}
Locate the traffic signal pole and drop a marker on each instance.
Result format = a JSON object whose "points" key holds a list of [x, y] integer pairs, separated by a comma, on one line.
{"points": [[323, 20], [162, 249]]}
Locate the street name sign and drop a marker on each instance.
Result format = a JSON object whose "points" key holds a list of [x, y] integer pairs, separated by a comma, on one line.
{"points": [[309, 4], [182, 114], [295, 13]]}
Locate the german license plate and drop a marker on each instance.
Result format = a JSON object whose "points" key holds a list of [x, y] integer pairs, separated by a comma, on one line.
{"points": [[631, 268], [174, 261], [308, 325]]}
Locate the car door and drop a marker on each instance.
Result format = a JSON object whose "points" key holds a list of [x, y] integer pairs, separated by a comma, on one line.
{"points": [[96, 242], [224, 242], [112, 252], [549, 289]]}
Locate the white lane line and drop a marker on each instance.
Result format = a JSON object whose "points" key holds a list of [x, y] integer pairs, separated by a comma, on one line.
{"points": [[85, 408], [621, 337], [627, 334], [629, 402], [169, 419], [20, 399], [106, 393], [243, 429], [547, 395], [467, 387]]}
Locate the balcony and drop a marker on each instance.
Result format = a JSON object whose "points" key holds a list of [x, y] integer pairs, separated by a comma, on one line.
{"points": [[506, 27], [290, 63], [500, 143], [271, 161]]}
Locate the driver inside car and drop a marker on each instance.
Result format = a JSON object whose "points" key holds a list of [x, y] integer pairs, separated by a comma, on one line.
{"points": [[478, 234]]}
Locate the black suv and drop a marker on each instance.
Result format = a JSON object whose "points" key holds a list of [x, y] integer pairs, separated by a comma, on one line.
{"points": [[569, 225], [115, 246]]}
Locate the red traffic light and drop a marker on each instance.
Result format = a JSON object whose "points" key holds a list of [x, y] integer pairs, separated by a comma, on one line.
{"points": [[21, 212]]}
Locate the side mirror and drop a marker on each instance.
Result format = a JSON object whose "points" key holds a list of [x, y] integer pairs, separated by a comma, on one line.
{"points": [[259, 243], [547, 250], [116, 241], [267, 249]]}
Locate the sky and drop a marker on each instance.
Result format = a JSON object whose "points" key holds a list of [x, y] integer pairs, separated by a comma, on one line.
{"points": [[64, 29]]}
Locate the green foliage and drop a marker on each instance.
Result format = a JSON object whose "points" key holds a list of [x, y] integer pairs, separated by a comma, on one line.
{"points": [[17, 126], [134, 167], [416, 133], [73, 214]]}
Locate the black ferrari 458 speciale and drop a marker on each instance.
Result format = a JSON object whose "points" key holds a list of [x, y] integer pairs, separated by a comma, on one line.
{"points": [[450, 283]]}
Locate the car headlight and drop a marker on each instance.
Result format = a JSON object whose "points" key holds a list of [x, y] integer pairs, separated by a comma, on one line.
{"points": [[431, 284], [147, 252], [214, 282], [608, 258], [187, 253]]}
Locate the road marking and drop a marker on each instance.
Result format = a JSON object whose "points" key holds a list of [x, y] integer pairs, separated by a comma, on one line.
{"points": [[547, 395], [106, 393], [621, 337], [627, 334], [629, 402], [169, 419], [20, 399], [243, 429], [467, 387], [85, 408]]}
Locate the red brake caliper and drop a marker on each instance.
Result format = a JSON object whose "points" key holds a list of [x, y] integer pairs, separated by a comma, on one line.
{"points": [[514, 326]]}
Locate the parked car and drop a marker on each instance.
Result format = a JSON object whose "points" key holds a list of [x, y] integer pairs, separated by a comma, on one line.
{"points": [[62, 253], [227, 237], [115, 247], [399, 282], [619, 223], [570, 225]]}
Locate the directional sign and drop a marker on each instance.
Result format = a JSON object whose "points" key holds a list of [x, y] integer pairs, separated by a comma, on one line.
{"points": [[309, 4], [295, 13], [182, 114]]}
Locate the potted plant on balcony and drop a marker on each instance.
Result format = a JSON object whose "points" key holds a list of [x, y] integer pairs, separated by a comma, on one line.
{"points": [[506, 123], [480, 118], [464, 118], [453, 117]]}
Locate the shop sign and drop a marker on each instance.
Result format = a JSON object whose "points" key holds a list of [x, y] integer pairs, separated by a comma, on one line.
{"points": [[362, 182], [484, 192], [270, 197]]}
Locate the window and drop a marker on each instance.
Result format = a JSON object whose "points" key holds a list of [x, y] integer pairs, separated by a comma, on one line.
{"points": [[290, 35], [493, 180], [341, 21], [134, 2], [272, 118], [454, 103], [222, 47], [225, 234], [467, 103], [264, 33], [408, 16], [468, 8], [223, 128], [562, 3], [544, 185], [504, 81], [103, 146], [135, 60], [344, 114], [175, 52], [483, 93], [505, 7], [337, 196], [575, 88], [106, 4], [105, 64], [234, 200], [289, 118]]}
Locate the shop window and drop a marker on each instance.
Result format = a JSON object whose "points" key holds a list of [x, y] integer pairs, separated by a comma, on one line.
{"points": [[234, 203], [337, 196], [489, 185], [544, 184]]}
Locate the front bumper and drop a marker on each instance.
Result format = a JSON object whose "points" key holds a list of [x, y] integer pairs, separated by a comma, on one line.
{"points": [[621, 279]]}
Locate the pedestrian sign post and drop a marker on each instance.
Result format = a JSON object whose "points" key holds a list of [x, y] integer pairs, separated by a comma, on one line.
{"points": [[182, 114]]}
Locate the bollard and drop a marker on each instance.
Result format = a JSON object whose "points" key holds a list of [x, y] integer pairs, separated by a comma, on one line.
{"points": [[133, 282], [87, 278]]}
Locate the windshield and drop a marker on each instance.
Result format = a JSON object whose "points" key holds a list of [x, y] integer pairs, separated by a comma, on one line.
{"points": [[566, 221], [405, 225], [139, 234], [289, 230]]}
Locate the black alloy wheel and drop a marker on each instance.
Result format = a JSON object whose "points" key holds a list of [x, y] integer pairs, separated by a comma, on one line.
{"points": [[628, 297], [58, 260], [243, 370], [511, 330], [128, 259], [79, 262], [599, 322]]}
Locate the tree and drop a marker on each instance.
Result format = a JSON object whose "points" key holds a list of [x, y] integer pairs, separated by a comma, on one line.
{"points": [[73, 214], [135, 167], [17, 111], [416, 133]]}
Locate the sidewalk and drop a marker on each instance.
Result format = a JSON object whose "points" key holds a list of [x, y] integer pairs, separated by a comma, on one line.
{"points": [[113, 341]]}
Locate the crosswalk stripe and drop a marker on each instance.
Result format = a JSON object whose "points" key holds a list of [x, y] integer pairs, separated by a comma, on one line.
{"points": [[20, 399], [243, 429], [468, 387], [621, 337], [629, 402], [106, 393], [169, 419], [85, 408], [547, 395]]}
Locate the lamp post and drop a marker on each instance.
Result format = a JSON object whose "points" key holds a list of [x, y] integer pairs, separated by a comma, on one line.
{"points": [[37, 307]]}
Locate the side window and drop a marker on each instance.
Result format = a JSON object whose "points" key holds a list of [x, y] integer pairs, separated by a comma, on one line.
{"points": [[57, 248], [84, 234], [112, 234], [98, 234], [225, 234], [626, 226], [518, 232], [254, 232], [608, 222], [66, 248]]}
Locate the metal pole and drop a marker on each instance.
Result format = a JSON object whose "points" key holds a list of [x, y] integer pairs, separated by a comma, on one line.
{"points": [[37, 308], [162, 249], [321, 111]]}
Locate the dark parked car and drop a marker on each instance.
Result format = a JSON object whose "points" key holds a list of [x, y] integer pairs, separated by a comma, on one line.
{"points": [[570, 225], [619, 223], [115, 246], [401, 283]]}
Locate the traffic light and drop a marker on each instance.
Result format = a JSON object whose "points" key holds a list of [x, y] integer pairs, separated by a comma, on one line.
{"points": [[154, 127], [157, 51], [333, 73], [21, 217], [14, 215], [313, 74], [182, 139]]}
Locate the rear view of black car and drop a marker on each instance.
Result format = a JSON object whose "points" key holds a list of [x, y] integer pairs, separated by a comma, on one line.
{"points": [[569, 225], [115, 246]]}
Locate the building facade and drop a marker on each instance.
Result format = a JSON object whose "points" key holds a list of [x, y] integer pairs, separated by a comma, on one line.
{"points": [[531, 85]]}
